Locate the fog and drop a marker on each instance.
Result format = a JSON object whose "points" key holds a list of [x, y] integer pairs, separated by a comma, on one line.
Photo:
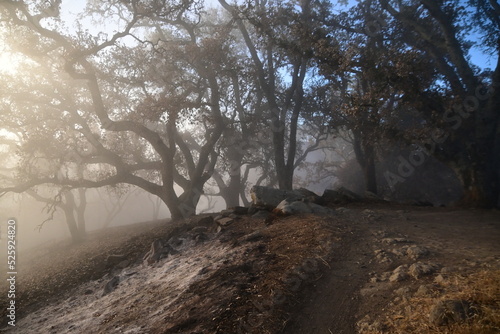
{"points": [[104, 210], [30, 214], [325, 168], [157, 118]]}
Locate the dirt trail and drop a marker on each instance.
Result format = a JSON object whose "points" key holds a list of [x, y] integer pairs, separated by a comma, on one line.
{"points": [[331, 305], [356, 285]]}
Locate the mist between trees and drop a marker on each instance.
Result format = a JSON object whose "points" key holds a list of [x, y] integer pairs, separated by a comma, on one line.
{"points": [[189, 101]]}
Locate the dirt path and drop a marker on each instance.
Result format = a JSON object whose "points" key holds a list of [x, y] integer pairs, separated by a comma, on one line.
{"points": [[356, 291], [331, 305]]}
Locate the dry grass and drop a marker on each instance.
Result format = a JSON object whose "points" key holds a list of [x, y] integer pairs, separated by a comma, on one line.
{"points": [[411, 315]]}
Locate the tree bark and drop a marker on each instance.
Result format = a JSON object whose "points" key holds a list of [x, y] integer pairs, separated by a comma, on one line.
{"points": [[70, 210], [365, 155], [231, 193], [80, 211]]}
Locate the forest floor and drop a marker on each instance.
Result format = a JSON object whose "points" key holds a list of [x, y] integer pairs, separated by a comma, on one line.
{"points": [[368, 268]]}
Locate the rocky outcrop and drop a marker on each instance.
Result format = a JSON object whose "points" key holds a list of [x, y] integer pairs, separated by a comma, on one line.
{"points": [[446, 312], [287, 202], [287, 207], [270, 197], [339, 196], [158, 250]]}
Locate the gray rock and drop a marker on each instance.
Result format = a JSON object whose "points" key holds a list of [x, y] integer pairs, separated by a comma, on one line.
{"points": [[225, 221], [288, 207], [199, 229], [261, 214], [158, 250], [201, 237], [384, 277], [175, 242], [398, 277], [382, 256], [254, 236], [340, 195], [399, 274], [403, 292], [239, 210], [271, 197], [203, 220], [309, 196], [419, 269], [154, 253], [446, 312], [392, 241], [372, 196], [123, 264], [342, 210], [319, 209], [111, 285], [440, 279], [399, 251], [416, 252], [219, 217], [423, 291], [234, 211], [446, 270]]}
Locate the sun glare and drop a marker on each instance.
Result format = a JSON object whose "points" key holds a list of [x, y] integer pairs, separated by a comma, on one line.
{"points": [[7, 63]]}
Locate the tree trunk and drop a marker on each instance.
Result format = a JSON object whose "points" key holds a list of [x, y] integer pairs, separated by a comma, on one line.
{"points": [[369, 172], [365, 155], [72, 225], [70, 209], [80, 211], [231, 193], [188, 201], [484, 187]]}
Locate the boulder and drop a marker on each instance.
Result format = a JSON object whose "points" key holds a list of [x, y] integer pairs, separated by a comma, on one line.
{"points": [[419, 269], [309, 196], [271, 197], [423, 291], [392, 241], [236, 210], [261, 214], [287, 207], [399, 274], [286, 202], [225, 221], [340, 195], [158, 250], [416, 252], [154, 253], [203, 220], [372, 196], [316, 208], [447, 312], [239, 210]]}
